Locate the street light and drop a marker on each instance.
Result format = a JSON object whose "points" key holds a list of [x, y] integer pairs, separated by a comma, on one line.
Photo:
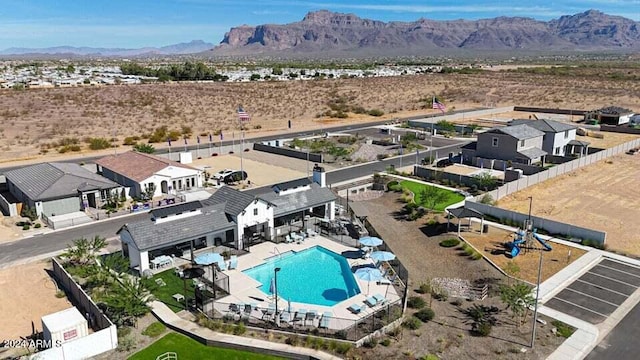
{"points": [[275, 285], [535, 311]]}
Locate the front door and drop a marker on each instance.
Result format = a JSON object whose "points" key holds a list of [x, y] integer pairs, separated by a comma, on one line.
{"points": [[91, 199], [164, 187]]}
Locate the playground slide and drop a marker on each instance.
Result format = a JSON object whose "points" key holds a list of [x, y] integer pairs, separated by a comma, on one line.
{"points": [[544, 243], [515, 250]]}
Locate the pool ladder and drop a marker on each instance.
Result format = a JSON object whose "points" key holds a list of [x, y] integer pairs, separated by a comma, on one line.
{"points": [[277, 252]]}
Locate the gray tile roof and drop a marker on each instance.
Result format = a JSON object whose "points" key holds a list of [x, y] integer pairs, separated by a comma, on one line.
{"points": [[291, 184], [235, 201], [578, 143], [520, 132], [48, 181], [545, 125], [532, 153], [176, 209], [148, 235], [299, 200]]}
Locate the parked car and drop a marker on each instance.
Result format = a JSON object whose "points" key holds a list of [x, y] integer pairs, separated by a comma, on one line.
{"points": [[220, 175], [444, 163]]}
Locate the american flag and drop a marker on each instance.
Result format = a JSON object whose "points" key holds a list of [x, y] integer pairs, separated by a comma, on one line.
{"points": [[438, 105], [243, 115]]}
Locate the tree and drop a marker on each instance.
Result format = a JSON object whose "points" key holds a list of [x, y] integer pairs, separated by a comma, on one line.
{"points": [[149, 191], [485, 180], [276, 71], [83, 251], [445, 125], [255, 77], [29, 212], [518, 299], [430, 196], [144, 148], [70, 69]]}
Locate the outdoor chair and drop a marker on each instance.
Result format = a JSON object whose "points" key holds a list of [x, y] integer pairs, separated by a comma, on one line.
{"points": [[288, 239], [388, 280], [160, 282], [301, 315], [222, 265], [233, 262], [285, 317], [379, 299], [326, 317], [371, 301], [311, 315], [355, 308]]}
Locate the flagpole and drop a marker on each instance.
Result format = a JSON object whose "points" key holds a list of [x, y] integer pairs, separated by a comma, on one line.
{"points": [[242, 156], [198, 147]]}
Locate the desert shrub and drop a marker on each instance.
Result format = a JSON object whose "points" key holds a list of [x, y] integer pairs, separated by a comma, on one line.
{"points": [[593, 244], [371, 343], [476, 256], [99, 143], [376, 112], [450, 242], [239, 329], [412, 323], [424, 288], [292, 340], [482, 329], [129, 141], [416, 302], [26, 227], [563, 329], [385, 342], [430, 357], [29, 212], [425, 314], [456, 302], [154, 329], [343, 348], [487, 199], [37, 226]]}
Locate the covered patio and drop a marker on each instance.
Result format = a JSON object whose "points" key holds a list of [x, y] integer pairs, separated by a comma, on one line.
{"points": [[462, 213]]}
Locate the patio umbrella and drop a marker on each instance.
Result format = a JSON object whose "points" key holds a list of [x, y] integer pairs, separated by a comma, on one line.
{"points": [[208, 258], [382, 256], [193, 273], [370, 241], [369, 275]]}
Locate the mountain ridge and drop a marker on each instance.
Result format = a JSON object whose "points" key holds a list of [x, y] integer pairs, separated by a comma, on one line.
{"points": [[194, 46]]}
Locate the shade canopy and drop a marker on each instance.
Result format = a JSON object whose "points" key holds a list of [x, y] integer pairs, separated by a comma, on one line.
{"points": [[208, 258], [370, 241], [369, 274], [192, 273], [382, 256]]}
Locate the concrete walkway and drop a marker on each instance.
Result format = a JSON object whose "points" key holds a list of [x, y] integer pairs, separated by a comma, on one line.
{"points": [[210, 337]]}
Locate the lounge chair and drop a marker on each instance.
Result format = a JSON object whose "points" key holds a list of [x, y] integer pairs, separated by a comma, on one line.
{"points": [[388, 281], [301, 315], [269, 311], [371, 301], [326, 317], [355, 308], [379, 299], [233, 262], [311, 315], [285, 317], [288, 239]]}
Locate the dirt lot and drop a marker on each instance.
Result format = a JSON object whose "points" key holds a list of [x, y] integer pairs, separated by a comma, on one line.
{"points": [[600, 196], [28, 294], [492, 246], [36, 118], [448, 336]]}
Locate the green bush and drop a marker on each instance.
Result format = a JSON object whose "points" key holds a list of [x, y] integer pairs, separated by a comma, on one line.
{"points": [[239, 329], [424, 289], [476, 256], [129, 140], [37, 226], [343, 348], [425, 314], [292, 340], [593, 244], [154, 329], [385, 342], [371, 343], [563, 329], [412, 323], [416, 302], [430, 357], [26, 227], [450, 242], [482, 329], [99, 143], [376, 112]]}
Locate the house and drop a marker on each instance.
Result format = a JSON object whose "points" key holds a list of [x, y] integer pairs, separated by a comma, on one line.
{"points": [[140, 172], [610, 115], [60, 188], [559, 138], [229, 217], [518, 143]]}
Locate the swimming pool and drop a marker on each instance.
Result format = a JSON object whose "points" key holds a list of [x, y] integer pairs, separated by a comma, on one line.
{"points": [[312, 276]]}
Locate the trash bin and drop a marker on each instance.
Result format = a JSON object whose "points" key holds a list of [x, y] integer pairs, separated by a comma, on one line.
{"points": [[485, 228]]}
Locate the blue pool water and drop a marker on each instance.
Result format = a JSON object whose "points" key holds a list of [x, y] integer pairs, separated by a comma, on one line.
{"points": [[313, 276]]}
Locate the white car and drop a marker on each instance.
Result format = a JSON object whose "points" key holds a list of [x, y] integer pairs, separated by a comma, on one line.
{"points": [[220, 175]]}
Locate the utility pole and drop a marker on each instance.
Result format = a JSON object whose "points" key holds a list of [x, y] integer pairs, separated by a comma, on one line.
{"points": [[535, 311]]}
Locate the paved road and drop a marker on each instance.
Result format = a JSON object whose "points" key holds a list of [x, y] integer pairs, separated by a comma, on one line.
{"points": [[622, 342], [55, 241]]}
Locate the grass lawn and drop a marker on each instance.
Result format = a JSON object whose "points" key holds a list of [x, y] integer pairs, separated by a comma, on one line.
{"points": [[187, 348], [414, 187], [174, 286]]}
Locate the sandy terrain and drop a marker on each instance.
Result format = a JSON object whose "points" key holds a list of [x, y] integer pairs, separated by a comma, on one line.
{"points": [[492, 246], [600, 196], [36, 118], [8, 229], [28, 294]]}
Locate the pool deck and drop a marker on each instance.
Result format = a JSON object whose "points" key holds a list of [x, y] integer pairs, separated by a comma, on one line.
{"points": [[245, 289]]}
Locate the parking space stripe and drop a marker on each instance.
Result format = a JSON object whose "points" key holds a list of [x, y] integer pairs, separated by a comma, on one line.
{"points": [[601, 287], [591, 296], [621, 265], [608, 278], [581, 307], [622, 271]]}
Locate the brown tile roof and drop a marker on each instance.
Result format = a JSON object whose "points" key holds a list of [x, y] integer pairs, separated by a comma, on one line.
{"points": [[137, 166]]}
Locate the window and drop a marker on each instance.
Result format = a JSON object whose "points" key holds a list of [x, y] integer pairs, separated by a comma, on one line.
{"points": [[255, 212], [494, 142], [566, 134], [522, 143], [557, 151]]}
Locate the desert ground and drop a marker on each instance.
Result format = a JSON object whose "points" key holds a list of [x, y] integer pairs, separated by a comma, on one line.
{"points": [[28, 294], [600, 196], [34, 119]]}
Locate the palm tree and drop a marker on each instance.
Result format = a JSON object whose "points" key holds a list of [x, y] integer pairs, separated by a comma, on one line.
{"points": [[518, 298]]}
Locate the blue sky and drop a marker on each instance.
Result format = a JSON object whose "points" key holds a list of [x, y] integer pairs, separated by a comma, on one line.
{"points": [[137, 23]]}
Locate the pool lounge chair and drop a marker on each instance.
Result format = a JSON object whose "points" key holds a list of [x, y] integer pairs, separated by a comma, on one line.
{"points": [[380, 299], [233, 262], [301, 315], [388, 281], [326, 317], [222, 265], [288, 239], [311, 315], [269, 311], [355, 308], [371, 301], [286, 317]]}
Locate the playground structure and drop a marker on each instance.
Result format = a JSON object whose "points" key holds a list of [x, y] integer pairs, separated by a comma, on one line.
{"points": [[525, 240]]}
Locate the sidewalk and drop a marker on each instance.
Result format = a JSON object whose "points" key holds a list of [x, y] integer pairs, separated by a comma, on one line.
{"points": [[173, 321]]}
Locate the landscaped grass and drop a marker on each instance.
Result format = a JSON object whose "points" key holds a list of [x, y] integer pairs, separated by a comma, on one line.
{"points": [[187, 349], [416, 188], [154, 329], [174, 286]]}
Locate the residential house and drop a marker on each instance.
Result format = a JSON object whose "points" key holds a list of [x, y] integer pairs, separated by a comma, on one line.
{"points": [[611, 115], [559, 138], [139, 172], [60, 188], [518, 143], [229, 217]]}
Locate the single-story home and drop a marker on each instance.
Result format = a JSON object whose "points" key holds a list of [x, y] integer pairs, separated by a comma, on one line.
{"points": [[60, 188], [611, 115], [140, 172], [229, 217]]}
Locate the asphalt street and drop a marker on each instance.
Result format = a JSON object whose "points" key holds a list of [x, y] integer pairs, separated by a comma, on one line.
{"points": [[622, 342]]}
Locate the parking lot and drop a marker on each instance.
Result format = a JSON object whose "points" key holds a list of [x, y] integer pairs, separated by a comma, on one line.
{"points": [[599, 292]]}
